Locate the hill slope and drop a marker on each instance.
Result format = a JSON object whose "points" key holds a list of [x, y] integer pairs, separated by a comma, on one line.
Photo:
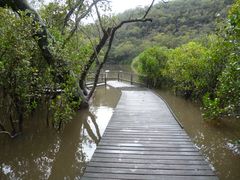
{"points": [[174, 23]]}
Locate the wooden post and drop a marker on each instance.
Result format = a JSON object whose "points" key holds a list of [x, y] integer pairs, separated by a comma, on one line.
{"points": [[131, 78], [118, 76], [105, 79], [106, 75]]}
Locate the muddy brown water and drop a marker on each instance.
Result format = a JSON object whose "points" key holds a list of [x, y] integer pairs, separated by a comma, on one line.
{"points": [[215, 139], [43, 153]]}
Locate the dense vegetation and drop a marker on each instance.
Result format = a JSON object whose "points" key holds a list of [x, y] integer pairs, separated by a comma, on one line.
{"points": [[46, 55], [26, 79], [174, 23], [207, 69]]}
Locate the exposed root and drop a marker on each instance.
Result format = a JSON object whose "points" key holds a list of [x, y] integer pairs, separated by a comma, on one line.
{"points": [[12, 136]]}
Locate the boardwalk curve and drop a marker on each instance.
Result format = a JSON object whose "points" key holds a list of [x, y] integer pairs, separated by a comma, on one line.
{"points": [[144, 141]]}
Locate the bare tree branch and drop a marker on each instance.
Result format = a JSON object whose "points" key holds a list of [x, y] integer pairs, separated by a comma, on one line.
{"points": [[98, 28], [149, 8], [2, 127], [101, 64], [87, 66], [132, 21], [83, 15], [78, 5], [92, 44], [99, 18], [110, 35]]}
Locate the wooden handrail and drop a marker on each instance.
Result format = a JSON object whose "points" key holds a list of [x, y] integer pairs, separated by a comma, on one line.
{"points": [[119, 76]]}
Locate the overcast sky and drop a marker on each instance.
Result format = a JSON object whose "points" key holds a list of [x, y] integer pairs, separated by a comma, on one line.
{"points": [[122, 5], [119, 6]]}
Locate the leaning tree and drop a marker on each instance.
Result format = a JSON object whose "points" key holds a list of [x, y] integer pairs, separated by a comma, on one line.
{"points": [[70, 24]]}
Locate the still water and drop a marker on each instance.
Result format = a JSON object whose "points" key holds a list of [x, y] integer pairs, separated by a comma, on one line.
{"points": [[214, 139], [43, 153]]}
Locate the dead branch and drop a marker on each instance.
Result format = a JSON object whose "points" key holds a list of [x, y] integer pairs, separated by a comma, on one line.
{"points": [[109, 34], [92, 44], [149, 8], [83, 15], [2, 127], [78, 5]]}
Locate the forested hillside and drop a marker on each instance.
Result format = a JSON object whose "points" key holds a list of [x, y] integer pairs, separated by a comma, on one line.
{"points": [[206, 69], [174, 23]]}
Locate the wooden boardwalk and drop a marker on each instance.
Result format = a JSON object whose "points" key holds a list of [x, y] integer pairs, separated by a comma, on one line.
{"points": [[144, 141]]}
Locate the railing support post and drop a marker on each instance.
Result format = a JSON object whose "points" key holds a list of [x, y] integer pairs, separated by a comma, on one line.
{"points": [[131, 78], [105, 79], [118, 76]]}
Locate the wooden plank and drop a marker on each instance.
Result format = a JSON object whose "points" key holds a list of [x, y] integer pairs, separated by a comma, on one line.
{"points": [[109, 141], [146, 145], [150, 166], [142, 130], [135, 132], [102, 176], [163, 149], [139, 136], [119, 170], [149, 161], [144, 141], [147, 138], [167, 153], [176, 136], [159, 157]]}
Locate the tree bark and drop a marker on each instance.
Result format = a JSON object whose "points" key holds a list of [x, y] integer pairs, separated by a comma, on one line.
{"points": [[110, 33], [43, 36], [91, 60], [12, 124], [2, 127], [44, 39]]}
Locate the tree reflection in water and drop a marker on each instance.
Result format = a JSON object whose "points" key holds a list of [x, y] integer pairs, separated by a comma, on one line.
{"points": [[77, 146], [42, 153]]}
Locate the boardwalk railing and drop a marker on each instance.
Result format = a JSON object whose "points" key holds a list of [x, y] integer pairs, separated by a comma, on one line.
{"points": [[108, 75]]}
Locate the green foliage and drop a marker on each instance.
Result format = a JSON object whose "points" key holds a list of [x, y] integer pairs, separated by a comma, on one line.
{"points": [[228, 86], [234, 20], [151, 63], [174, 24], [207, 69], [25, 78], [54, 14], [211, 108], [65, 104], [187, 67], [20, 74]]}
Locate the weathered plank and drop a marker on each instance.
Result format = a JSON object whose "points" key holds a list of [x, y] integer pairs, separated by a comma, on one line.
{"points": [[118, 170], [144, 141], [150, 166], [149, 161], [103, 176], [149, 149]]}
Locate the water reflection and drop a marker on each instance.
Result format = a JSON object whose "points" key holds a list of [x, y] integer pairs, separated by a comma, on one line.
{"points": [[42, 153], [214, 139]]}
